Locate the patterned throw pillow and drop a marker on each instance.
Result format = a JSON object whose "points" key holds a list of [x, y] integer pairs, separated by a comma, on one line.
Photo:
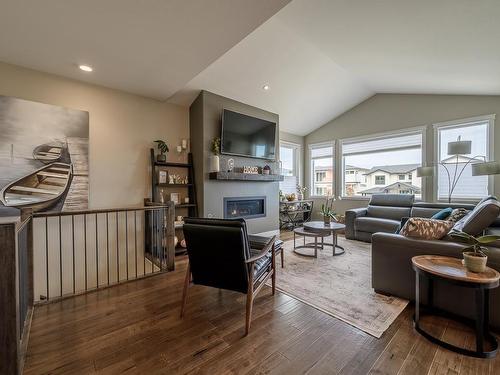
{"points": [[457, 214], [427, 229]]}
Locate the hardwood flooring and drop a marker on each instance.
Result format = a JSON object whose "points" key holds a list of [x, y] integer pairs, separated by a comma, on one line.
{"points": [[135, 328]]}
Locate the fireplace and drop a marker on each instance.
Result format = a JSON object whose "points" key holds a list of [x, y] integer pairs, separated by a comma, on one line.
{"points": [[244, 207]]}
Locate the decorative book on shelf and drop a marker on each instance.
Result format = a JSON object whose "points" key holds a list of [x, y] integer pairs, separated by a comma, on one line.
{"points": [[175, 180]]}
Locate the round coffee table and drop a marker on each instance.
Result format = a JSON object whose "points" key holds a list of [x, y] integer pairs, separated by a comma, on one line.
{"points": [[332, 228], [451, 270]]}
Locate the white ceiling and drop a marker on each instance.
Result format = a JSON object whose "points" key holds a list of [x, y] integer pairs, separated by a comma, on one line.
{"points": [[148, 47], [320, 57]]}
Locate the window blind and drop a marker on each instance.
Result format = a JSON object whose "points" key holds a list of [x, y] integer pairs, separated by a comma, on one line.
{"points": [[388, 143]]}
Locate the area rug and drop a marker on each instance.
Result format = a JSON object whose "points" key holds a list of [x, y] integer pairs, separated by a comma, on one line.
{"points": [[339, 286]]}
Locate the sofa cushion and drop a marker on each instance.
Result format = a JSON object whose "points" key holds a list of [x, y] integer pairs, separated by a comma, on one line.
{"points": [[479, 218], [386, 212], [397, 200], [375, 224], [443, 214], [426, 229], [457, 214], [424, 211]]}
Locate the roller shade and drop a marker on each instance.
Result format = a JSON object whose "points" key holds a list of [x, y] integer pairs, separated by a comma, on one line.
{"points": [[387, 143]]}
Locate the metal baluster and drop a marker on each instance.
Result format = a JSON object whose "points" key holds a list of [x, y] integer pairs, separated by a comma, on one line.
{"points": [[126, 240], [73, 240], [135, 240], [85, 243], [107, 244], [60, 258], [117, 252], [152, 241], [47, 252], [96, 253]]}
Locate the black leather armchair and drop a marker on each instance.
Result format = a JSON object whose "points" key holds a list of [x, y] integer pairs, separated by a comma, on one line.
{"points": [[220, 256]]}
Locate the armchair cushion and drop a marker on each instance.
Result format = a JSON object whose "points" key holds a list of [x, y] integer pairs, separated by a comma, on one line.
{"points": [[260, 265]]}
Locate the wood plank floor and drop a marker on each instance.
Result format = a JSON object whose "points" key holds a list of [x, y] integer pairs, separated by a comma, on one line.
{"points": [[135, 329]]}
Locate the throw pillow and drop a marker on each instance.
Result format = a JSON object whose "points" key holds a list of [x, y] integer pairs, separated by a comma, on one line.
{"points": [[479, 218], [443, 214], [427, 229], [457, 214]]}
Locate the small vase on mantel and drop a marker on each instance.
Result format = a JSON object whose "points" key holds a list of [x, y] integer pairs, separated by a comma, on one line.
{"points": [[214, 163]]}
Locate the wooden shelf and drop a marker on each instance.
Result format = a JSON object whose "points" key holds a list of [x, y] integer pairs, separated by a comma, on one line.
{"points": [[234, 176], [185, 205], [171, 164], [174, 185]]}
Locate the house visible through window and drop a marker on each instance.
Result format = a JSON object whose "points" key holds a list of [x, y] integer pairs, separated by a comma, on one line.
{"points": [[322, 169], [478, 132], [383, 164], [289, 157]]}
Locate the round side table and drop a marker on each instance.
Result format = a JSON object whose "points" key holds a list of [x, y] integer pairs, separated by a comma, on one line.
{"points": [[320, 227], [316, 245], [451, 270]]}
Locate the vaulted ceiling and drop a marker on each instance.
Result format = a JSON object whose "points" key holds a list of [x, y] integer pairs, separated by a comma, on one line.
{"points": [[319, 57]]}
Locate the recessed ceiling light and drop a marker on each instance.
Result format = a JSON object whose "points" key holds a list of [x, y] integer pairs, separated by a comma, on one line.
{"points": [[265, 87], [86, 68]]}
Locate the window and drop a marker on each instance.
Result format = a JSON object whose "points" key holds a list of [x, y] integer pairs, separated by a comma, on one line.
{"points": [[322, 169], [290, 162], [320, 176], [478, 132], [384, 163]]}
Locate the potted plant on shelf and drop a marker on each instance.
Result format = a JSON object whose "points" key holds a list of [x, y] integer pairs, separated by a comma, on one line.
{"points": [[163, 148], [301, 191], [214, 160], [475, 258]]}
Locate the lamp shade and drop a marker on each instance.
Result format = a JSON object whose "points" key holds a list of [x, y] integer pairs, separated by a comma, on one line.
{"points": [[425, 171], [485, 169], [459, 148]]}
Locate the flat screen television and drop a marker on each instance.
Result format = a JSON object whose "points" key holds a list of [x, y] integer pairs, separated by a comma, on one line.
{"points": [[249, 136]]}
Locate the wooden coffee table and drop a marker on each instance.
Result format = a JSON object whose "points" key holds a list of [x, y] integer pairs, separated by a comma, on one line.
{"points": [[320, 227], [452, 271]]}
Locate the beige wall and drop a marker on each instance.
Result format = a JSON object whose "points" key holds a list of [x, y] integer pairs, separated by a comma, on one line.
{"points": [[386, 112], [122, 128]]}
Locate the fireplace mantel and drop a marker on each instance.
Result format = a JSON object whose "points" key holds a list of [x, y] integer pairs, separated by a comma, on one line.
{"points": [[235, 176]]}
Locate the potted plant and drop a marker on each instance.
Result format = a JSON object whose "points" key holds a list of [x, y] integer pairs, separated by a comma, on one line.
{"points": [[214, 160], [328, 213], [475, 258], [301, 190], [163, 148]]}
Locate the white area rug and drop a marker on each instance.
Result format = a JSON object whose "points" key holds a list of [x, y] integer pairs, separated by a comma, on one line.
{"points": [[339, 286]]}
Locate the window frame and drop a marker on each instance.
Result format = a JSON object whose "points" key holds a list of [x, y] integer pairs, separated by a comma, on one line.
{"points": [[461, 123], [389, 134], [296, 162], [311, 186]]}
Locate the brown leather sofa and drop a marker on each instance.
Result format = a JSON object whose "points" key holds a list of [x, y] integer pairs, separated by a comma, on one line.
{"points": [[392, 272]]}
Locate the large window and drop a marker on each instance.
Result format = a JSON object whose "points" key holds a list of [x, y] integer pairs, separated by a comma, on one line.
{"points": [[478, 132], [290, 166], [382, 164], [322, 169]]}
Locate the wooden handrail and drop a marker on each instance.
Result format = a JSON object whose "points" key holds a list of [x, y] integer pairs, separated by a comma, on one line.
{"points": [[167, 205]]}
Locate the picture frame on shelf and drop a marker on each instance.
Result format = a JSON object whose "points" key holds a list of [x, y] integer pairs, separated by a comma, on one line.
{"points": [[174, 197], [162, 177]]}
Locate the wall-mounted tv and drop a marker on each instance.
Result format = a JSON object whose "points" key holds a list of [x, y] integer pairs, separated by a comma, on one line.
{"points": [[249, 136]]}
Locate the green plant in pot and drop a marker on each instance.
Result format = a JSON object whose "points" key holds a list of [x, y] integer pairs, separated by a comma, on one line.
{"points": [[475, 257], [214, 160], [328, 214], [163, 148]]}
